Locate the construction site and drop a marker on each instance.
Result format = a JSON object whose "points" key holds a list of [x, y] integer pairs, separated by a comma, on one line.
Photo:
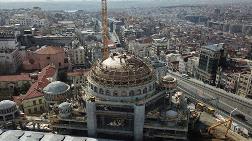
{"points": [[122, 99]]}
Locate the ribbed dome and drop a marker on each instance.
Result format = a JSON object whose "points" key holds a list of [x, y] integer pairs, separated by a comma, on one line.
{"points": [[7, 104], [168, 78], [122, 69], [65, 105], [56, 87]]}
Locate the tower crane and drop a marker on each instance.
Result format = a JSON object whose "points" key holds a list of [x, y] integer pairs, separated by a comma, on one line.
{"points": [[105, 31]]}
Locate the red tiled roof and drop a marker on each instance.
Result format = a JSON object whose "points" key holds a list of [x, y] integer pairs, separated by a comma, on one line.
{"points": [[36, 88], [78, 72], [50, 50], [15, 78]]}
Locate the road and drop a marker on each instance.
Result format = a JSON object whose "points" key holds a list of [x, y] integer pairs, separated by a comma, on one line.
{"points": [[224, 103]]}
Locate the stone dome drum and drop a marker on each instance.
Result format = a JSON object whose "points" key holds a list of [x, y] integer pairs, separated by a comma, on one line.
{"points": [[169, 82], [121, 77]]}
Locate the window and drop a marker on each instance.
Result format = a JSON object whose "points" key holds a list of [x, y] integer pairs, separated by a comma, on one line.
{"points": [[35, 110], [131, 93], [59, 64], [29, 111], [101, 91], [115, 93], [139, 92], [34, 102], [107, 92], [95, 89], [48, 58], [40, 101], [145, 90]]}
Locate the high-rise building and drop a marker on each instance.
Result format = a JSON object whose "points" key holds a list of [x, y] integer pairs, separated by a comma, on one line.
{"points": [[211, 58]]}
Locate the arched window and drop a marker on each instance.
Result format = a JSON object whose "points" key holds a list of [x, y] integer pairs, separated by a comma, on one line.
{"points": [[139, 91], [107, 92], [150, 88], [131, 93], [115, 93], [124, 93], [101, 91], [95, 89], [145, 90]]}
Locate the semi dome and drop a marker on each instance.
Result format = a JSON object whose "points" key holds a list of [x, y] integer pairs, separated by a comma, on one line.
{"points": [[56, 87], [65, 109], [7, 104], [122, 69], [171, 114], [168, 78]]}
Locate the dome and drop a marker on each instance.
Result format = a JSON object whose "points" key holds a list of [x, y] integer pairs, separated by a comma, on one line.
{"points": [[171, 114], [65, 109], [168, 78], [7, 104], [122, 70], [56, 87], [65, 105]]}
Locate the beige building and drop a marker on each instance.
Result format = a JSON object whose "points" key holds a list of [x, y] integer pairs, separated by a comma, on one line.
{"points": [[78, 57], [78, 77], [33, 101], [245, 85], [192, 65]]}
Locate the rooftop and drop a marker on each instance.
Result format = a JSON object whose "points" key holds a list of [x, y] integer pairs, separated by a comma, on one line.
{"points": [[15, 78], [214, 47], [35, 89], [50, 50]]}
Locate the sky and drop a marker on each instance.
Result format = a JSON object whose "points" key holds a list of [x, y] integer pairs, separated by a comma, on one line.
{"points": [[94, 4]]}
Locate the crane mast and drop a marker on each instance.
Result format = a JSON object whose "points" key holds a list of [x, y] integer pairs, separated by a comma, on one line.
{"points": [[105, 34]]}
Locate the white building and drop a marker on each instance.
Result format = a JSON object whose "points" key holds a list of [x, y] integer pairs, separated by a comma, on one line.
{"points": [[192, 65], [26, 20], [78, 57], [182, 66], [172, 57], [10, 61]]}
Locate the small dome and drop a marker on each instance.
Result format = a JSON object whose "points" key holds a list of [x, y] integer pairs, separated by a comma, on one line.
{"points": [[56, 87], [65, 105], [168, 78], [7, 104], [171, 114]]}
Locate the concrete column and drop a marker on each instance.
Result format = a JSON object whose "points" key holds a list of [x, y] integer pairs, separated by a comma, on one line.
{"points": [[91, 118], [139, 116]]}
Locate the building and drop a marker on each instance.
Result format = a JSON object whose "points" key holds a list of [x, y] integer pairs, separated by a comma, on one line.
{"points": [[27, 20], [11, 84], [122, 100], [192, 65], [33, 102], [210, 62], [245, 85], [10, 58], [78, 57], [44, 56], [77, 78], [41, 136]]}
